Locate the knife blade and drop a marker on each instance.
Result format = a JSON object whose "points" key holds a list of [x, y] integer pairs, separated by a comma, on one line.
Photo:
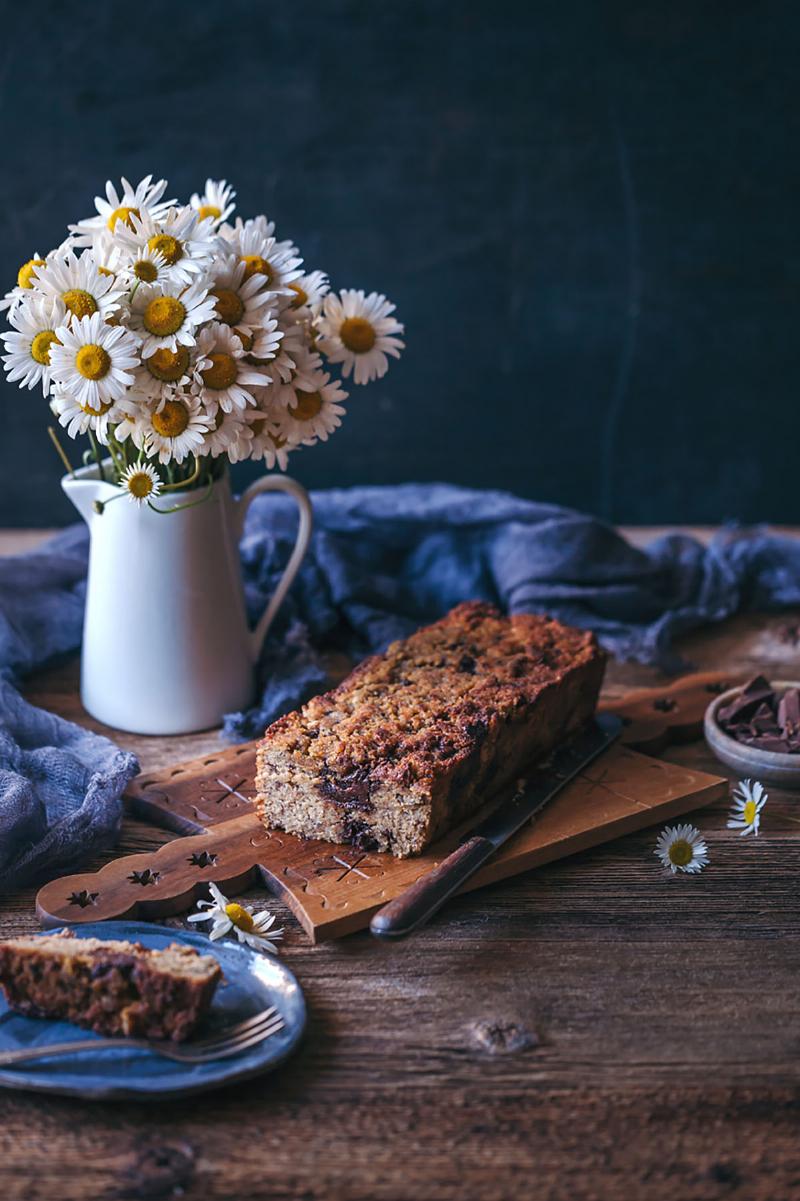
{"points": [[426, 896]]}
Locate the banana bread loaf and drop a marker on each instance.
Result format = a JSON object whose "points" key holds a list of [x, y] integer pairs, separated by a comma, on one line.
{"points": [[112, 987], [416, 739]]}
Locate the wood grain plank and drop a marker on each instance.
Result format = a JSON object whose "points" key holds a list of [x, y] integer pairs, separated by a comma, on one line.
{"points": [[596, 1029]]}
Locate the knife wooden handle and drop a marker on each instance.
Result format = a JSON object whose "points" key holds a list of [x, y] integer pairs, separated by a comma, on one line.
{"points": [[419, 902]]}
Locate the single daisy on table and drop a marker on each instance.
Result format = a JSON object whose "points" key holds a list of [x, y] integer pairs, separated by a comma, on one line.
{"points": [[29, 343], [243, 303], [749, 798], [93, 361], [277, 262], [171, 430], [142, 483], [223, 376], [316, 412], [187, 244], [167, 317], [216, 201], [254, 929], [80, 284], [121, 208], [358, 331], [682, 849]]}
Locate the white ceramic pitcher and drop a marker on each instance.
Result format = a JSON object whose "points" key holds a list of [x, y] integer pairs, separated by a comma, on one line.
{"points": [[166, 647]]}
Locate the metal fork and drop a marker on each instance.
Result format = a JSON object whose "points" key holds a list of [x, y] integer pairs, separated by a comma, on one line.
{"points": [[231, 1041]]}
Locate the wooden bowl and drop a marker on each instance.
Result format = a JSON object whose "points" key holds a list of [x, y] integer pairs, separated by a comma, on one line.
{"points": [[773, 767]]}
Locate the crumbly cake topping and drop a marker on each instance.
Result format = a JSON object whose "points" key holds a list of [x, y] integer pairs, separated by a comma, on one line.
{"points": [[430, 698], [175, 958]]}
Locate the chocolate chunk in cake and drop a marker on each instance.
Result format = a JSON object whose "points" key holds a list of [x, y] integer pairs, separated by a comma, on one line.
{"points": [[111, 987], [416, 739]]}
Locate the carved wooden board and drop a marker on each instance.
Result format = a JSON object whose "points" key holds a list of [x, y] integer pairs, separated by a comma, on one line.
{"points": [[334, 890]]}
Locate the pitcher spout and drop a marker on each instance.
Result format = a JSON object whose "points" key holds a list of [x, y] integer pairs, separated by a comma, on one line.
{"points": [[86, 490]]}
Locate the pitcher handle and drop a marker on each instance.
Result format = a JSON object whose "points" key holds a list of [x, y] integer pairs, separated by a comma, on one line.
{"points": [[277, 483]]}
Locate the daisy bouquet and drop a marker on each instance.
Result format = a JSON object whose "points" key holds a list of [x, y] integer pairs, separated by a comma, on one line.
{"points": [[176, 339]]}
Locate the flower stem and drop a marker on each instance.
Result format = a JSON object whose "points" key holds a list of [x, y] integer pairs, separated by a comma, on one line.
{"points": [[60, 450]]}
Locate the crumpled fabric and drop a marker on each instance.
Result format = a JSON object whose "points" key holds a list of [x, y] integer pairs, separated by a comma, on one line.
{"points": [[383, 560]]}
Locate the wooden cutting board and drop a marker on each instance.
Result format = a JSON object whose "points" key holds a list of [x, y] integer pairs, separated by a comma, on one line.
{"points": [[334, 890]]}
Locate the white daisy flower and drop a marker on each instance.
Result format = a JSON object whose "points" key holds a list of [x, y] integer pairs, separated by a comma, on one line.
{"points": [[148, 267], [291, 357], [78, 418], [277, 262], [167, 317], [82, 286], [187, 244], [26, 279], [749, 798], [358, 332], [269, 441], [120, 208], [682, 849], [93, 361], [308, 290], [163, 371], [142, 483], [29, 344], [228, 916], [223, 376], [171, 430], [216, 202], [229, 435], [314, 413], [240, 302]]}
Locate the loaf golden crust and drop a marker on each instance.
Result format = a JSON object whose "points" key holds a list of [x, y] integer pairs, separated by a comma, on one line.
{"points": [[427, 719]]}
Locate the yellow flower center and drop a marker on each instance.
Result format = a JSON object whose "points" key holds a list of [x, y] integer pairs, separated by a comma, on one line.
{"points": [[167, 245], [163, 316], [168, 365], [40, 346], [27, 271], [123, 214], [228, 305], [749, 812], [145, 271], [239, 916], [106, 271], [300, 296], [307, 407], [254, 264], [92, 361], [208, 210], [222, 372], [140, 485], [96, 410], [357, 334], [246, 340], [680, 853], [172, 420], [80, 303]]}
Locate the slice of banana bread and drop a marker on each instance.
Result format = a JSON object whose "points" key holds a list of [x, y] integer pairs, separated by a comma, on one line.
{"points": [[416, 739], [110, 986]]}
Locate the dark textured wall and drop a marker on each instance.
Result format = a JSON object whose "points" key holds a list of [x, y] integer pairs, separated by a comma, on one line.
{"points": [[585, 212]]}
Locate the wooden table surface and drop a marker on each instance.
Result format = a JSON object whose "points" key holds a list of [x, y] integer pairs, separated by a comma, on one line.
{"points": [[596, 1029]]}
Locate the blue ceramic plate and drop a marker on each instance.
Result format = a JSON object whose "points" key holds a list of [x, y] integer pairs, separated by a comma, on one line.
{"points": [[252, 983]]}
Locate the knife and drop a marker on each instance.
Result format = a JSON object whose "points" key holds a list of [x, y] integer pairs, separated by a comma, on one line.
{"points": [[418, 903]]}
